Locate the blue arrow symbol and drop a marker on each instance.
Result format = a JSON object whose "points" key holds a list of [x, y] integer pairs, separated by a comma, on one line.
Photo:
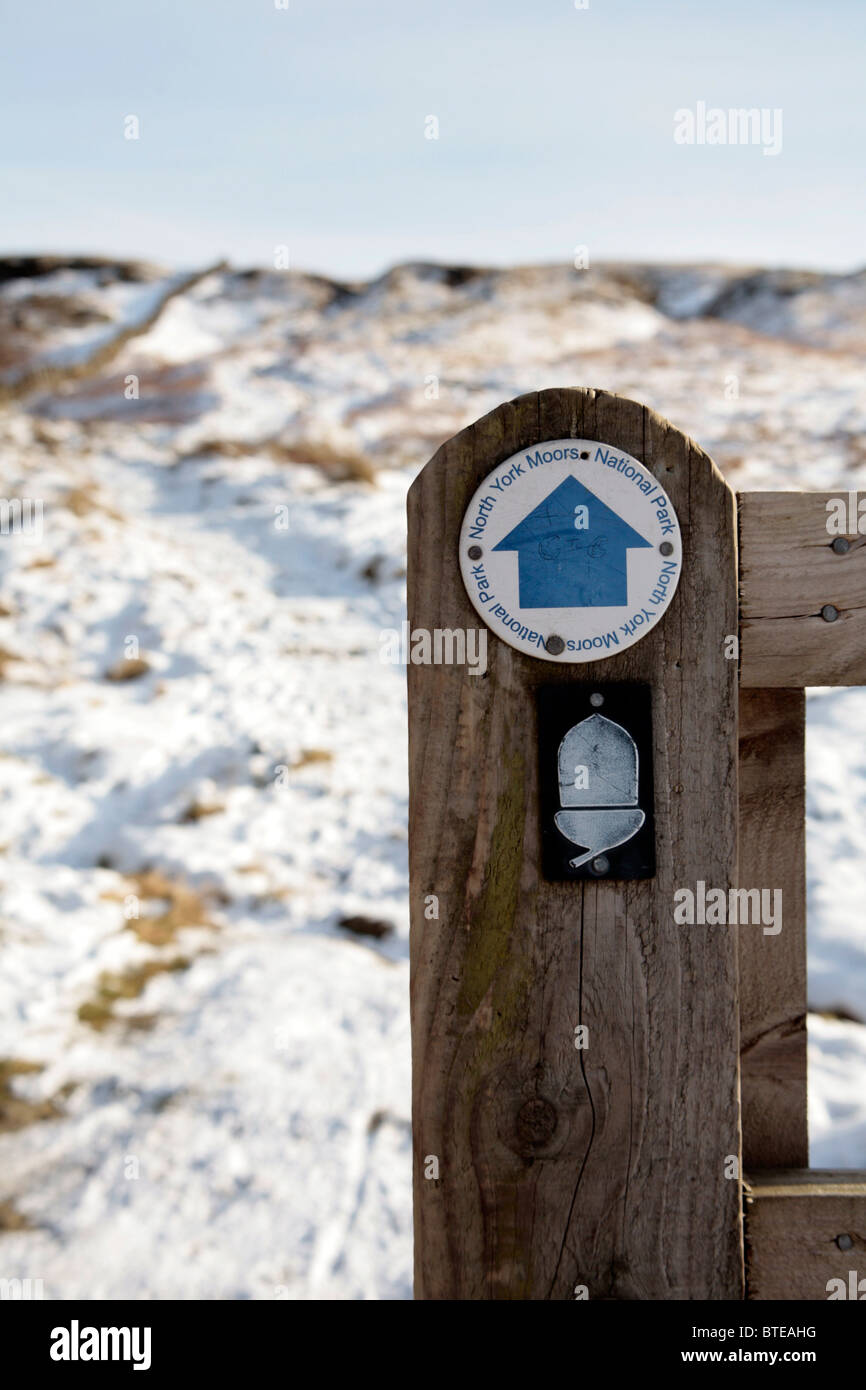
{"points": [[572, 551]]}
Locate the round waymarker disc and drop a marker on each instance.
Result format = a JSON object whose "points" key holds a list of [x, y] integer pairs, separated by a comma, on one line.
{"points": [[570, 550]]}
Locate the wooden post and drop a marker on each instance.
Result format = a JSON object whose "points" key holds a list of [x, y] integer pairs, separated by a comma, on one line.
{"points": [[773, 968], [541, 1170]]}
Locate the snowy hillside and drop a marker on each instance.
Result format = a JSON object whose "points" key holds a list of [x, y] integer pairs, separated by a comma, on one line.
{"points": [[204, 1077]]}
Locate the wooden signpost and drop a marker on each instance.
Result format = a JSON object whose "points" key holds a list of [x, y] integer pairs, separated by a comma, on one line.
{"points": [[576, 1086], [560, 1168]]}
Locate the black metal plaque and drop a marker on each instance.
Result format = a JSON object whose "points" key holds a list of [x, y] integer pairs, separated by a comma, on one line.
{"points": [[596, 781]]}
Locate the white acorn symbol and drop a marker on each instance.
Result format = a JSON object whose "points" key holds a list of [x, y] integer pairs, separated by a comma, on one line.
{"points": [[604, 795]]}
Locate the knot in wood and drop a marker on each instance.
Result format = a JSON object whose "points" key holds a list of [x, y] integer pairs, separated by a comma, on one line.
{"points": [[536, 1122]]}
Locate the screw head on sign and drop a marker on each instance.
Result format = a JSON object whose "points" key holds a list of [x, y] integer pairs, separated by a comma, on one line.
{"points": [[829, 613], [666, 548], [841, 545], [596, 699], [555, 645], [475, 552], [844, 1242], [600, 864]]}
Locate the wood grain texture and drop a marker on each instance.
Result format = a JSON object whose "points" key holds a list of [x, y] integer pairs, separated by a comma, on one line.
{"points": [[788, 573], [793, 1221], [559, 1167], [773, 967]]}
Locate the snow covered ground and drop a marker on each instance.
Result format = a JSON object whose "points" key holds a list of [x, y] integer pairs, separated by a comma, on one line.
{"points": [[204, 1079]]}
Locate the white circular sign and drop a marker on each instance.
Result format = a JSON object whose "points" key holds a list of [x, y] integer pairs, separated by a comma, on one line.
{"points": [[570, 550]]}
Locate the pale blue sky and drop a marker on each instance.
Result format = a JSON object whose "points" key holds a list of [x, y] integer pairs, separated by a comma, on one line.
{"points": [[305, 127]]}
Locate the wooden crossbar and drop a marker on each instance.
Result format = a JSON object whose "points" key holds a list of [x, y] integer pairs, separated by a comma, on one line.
{"points": [[789, 576], [806, 1234]]}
